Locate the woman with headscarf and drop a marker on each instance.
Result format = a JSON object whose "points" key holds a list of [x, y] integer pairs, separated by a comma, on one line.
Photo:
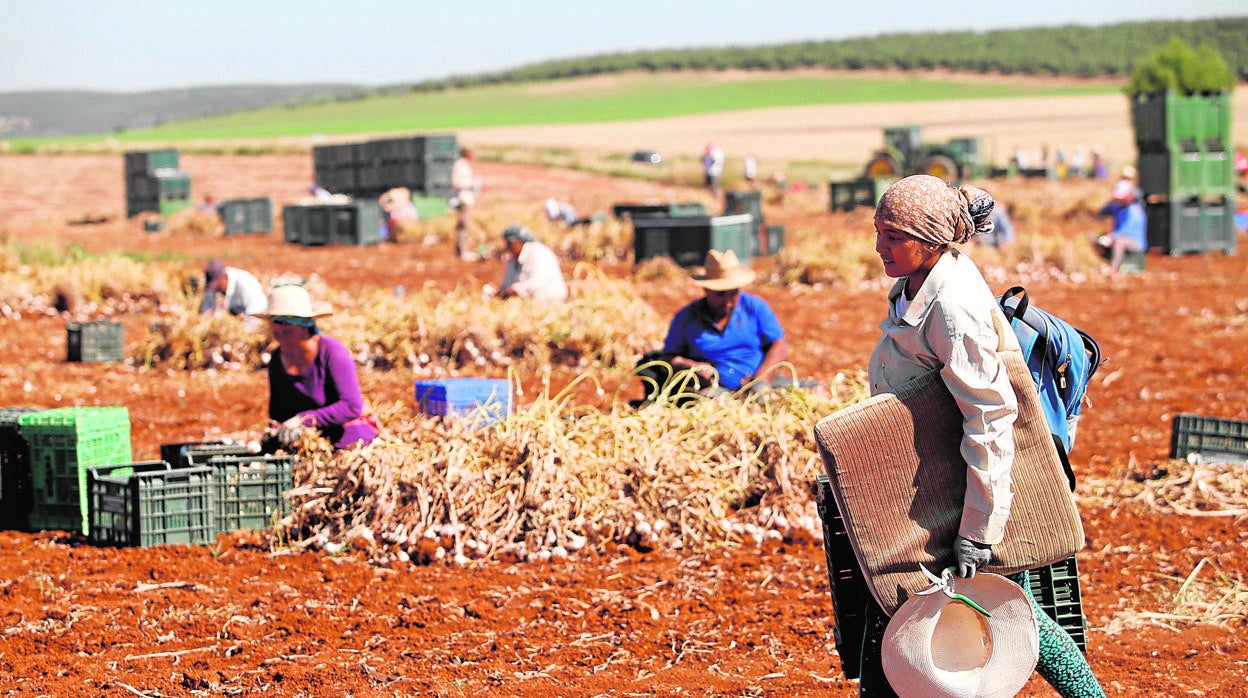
{"points": [[312, 377], [533, 270], [942, 316]]}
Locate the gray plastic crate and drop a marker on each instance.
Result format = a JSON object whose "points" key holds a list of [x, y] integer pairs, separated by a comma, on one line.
{"points": [[95, 342], [150, 503], [243, 216], [1211, 438], [687, 240]]}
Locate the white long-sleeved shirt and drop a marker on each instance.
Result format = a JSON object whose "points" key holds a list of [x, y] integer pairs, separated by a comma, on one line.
{"points": [[535, 274], [951, 325]]}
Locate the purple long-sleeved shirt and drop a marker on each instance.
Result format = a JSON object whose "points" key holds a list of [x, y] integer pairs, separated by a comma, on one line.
{"points": [[326, 396]]}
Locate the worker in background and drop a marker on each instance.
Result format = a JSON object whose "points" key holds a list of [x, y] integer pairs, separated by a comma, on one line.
{"points": [[232, 290]]}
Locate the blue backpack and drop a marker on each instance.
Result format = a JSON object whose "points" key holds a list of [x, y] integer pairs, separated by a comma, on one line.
{"points": [[1062, 359]]}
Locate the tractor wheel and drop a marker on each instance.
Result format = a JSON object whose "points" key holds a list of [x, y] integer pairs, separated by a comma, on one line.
{"points": [[941, 166], [883, 165]]}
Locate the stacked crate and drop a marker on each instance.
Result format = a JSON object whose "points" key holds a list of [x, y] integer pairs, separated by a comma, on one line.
{"points": [[64, 443], [1186, 170], [369, 169], [686, 240], [768, 239], [154, 183]]}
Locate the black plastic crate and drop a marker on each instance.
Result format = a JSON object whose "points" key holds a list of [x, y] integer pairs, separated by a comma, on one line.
{"points": [[848, 586], [1213, 439], [150, 503], [243, 216], [183, 453], [250, 491], [16, 498], [1056, 589], [148, 161], [95, 341]]}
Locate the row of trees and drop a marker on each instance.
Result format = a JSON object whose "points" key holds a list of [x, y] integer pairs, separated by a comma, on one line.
{"points": [[1112, 50]]}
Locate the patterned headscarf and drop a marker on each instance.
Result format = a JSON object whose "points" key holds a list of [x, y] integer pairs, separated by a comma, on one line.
{"points": [[933, 211]]}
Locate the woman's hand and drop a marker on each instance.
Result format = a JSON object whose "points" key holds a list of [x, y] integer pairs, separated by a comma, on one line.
{"points": [[971, 556]]}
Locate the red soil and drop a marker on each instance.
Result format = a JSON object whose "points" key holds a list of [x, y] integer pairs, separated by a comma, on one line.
{"points": [[234, 618]]}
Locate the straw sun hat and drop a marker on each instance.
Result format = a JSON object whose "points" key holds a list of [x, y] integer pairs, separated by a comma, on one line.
{"points": [[938, 645], [723, 272], [293, 301]]}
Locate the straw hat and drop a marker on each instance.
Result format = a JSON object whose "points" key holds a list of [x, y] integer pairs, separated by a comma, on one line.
{"points": [[723, 272], [293, 301], [939, 646]]}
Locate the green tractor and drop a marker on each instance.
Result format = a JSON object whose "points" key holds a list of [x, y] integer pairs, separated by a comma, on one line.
{"points": [[904, 153]]}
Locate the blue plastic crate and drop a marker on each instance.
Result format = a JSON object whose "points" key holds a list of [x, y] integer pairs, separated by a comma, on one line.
{"points": [[150, 503], [485, 400]]}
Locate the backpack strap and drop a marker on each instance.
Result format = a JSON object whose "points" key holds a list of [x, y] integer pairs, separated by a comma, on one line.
{"points": [[1061, 454], [1020, 308]]}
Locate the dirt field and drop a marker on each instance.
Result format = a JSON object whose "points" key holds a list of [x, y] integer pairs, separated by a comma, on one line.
{"points": [[236, 619]]}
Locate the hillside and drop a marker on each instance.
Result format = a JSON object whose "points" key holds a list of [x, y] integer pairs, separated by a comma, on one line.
{"points": [[74, 112]]}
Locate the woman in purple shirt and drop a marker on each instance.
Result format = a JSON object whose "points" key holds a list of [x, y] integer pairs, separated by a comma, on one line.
{"points": [[312, 378]]}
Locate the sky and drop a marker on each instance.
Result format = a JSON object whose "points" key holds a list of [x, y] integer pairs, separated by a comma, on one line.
{"points": [[137, 45]]}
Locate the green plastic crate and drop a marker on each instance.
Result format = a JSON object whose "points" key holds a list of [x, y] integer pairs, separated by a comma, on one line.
{"points": [[250, 491], [430, 206], [95, 341], [355, 223], [687, 240], [64, 442], [1192, 225], [150, 503], [242, 216]]}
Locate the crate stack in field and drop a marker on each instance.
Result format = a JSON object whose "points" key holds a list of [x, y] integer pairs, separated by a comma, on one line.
{"points": [[154, 183], [1186, 171], [370, 169], [768, 239], [196, 491]]}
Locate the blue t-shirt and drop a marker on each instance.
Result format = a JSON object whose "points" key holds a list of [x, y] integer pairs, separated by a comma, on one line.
{"points": [[1130, 221], [736, 352]]}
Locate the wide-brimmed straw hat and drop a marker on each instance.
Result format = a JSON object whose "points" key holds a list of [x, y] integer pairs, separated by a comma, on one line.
{"points": [[723, 272], [294, 301], [939, 645]]}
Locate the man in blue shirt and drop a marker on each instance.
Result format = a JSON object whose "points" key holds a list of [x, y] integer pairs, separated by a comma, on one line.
{"points": [[1130, 232], [729, 338]]}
